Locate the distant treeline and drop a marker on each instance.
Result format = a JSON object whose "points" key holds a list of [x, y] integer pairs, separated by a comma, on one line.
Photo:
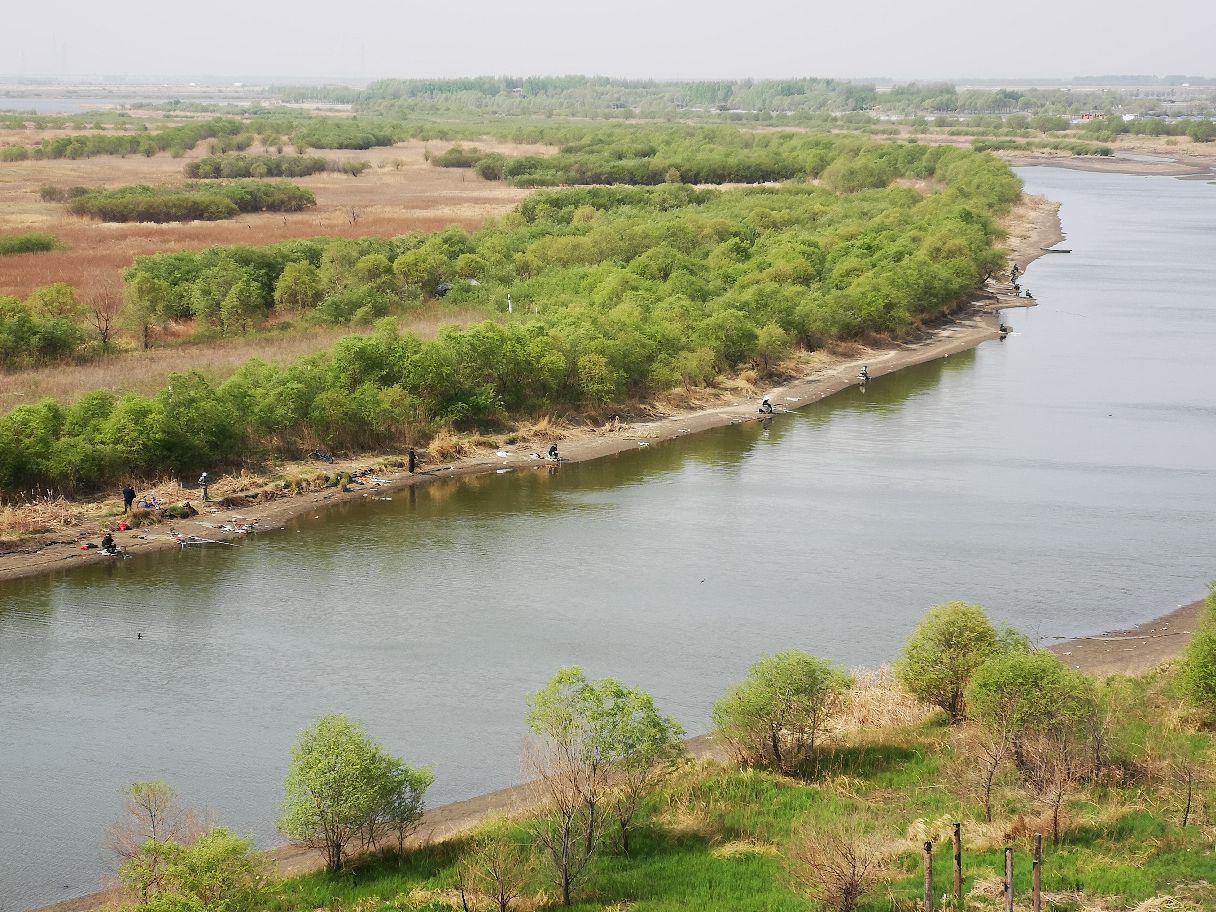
{"points": [[180, 138], [618, 291], [204, 202], [229, 134], [671, 154], [601, 96], [1108, 128]]}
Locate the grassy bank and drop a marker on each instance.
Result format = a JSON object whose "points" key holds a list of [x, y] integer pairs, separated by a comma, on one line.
{"points": [[719, 837]]}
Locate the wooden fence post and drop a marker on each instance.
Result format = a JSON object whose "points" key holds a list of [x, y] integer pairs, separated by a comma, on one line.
{"points": [[928, 876], [958, 862], [1008, 879], [1036, 879]]}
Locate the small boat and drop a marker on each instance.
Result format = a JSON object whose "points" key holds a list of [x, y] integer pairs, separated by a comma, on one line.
{"points": [[1056, 249]]}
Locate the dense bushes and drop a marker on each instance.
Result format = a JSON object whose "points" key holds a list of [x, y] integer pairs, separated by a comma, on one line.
{"points": [[718, 155], [181, 204], [46, 326], [28, 243], [338, 133], [217, 166], [618, 291]]}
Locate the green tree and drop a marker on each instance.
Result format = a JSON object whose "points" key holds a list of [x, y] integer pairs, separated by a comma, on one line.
{"points": [[242, 307], [57, 300], [777, 715], [218, 872], [147, 304], [342, 787], [944, 651], [298, 288], [1027, 691]]}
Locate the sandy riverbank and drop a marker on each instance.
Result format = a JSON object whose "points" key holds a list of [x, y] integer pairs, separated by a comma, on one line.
{"points": [[1031, 225]]}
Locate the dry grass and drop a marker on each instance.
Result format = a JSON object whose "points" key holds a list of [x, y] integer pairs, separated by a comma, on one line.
{"points": [[148, 371], [400, 193], [877, 701]]}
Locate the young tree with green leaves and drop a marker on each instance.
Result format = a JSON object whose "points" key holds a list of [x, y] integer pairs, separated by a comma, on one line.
{"points": [[943, 652], [777, 715], [147, 305], [597, 740], [218, 872], [341, 786]]}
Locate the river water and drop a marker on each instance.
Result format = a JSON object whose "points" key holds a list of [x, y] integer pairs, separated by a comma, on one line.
{"points": [[1064, 479]]}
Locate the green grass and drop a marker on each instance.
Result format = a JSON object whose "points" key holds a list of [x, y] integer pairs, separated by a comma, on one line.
{"points": [[715, 840], [28, 243]]}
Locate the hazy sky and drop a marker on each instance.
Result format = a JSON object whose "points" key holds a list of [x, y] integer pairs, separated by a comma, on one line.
{"points": [[637, 38]]}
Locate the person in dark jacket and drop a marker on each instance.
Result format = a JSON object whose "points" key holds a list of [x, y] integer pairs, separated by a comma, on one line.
{"points": [[128, 498], [413, 457]]}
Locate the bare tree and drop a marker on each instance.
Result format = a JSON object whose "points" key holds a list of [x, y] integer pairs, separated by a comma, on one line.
{"points": [[980, 752], [564, 829], [1052, 768], [152, 813], [104, 309], [837, 865]]}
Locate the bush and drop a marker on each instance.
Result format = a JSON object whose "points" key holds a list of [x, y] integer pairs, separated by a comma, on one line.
{"points": [[943, 653], [232, 166], [28, 243], [777, 715], [192, 202]]}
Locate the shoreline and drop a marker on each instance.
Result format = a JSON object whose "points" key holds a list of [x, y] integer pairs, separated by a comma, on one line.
{"points": [[1033, 224]]}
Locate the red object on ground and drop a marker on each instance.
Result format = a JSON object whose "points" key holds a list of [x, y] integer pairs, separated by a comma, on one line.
{"points": [[123, 527]]}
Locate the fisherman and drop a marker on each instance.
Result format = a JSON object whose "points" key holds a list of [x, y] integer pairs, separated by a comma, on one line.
{"points": [[865, 373], [128, 497], [766, 407], [204, 484], [107, 544], [553, 452], [413, 460], [1014, 273]]}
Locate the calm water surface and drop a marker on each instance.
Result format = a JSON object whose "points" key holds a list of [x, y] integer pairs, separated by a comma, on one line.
{"points": [[1065, 479]]}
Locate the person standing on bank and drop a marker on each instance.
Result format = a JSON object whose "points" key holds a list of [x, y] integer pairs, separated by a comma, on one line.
{"points": [[203, 484], [128, 497], [413, 460]]}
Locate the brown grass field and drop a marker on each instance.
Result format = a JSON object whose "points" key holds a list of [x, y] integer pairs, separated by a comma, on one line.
{"points": [[400, 193]]}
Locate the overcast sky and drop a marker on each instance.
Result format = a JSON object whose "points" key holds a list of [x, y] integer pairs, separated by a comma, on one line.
{"points": [[635, 38]]}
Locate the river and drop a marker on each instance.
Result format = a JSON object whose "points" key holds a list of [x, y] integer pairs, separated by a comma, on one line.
{"points": [[1064, 479]]}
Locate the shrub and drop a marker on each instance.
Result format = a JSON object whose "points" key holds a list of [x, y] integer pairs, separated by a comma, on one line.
{"points": [[28, 243], [943, 653], [785, 706]]}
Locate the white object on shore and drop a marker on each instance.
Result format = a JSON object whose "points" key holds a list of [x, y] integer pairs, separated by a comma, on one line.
{"points": [[504, 454]]}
